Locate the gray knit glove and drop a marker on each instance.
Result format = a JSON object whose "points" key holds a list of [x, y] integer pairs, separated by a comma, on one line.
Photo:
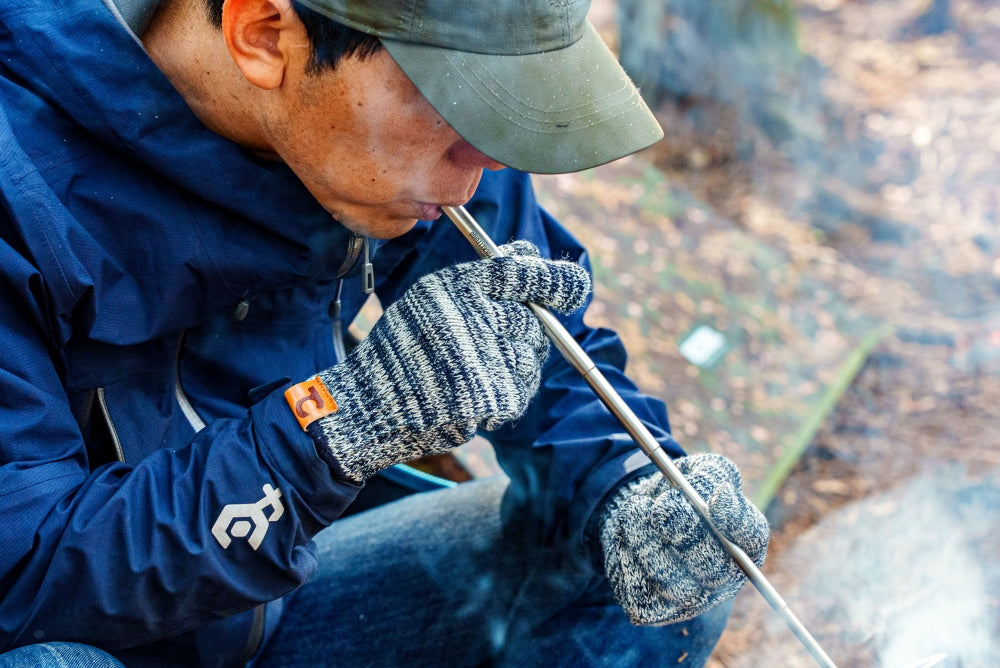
{"points": [[664, 564], [459, 350]]}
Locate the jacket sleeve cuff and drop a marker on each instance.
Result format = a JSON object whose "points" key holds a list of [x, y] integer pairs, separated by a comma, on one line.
{"points": [[290, 450], [597, 490]]}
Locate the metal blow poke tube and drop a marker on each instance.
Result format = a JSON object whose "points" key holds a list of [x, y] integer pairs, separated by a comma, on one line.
{"points": [[576, 356]]}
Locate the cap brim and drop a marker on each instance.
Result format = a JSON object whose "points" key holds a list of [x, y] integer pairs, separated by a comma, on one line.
{"points": [[548, 113]]}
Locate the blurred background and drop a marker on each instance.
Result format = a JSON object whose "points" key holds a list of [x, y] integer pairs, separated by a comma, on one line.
{"points": [[807, 270]]}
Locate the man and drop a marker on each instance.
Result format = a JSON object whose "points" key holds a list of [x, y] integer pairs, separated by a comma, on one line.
{"points": [[188, 187]]}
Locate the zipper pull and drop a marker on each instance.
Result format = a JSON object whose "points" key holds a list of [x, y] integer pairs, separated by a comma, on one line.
{"points": [[334, 309], [367, 271], [242, 309]]}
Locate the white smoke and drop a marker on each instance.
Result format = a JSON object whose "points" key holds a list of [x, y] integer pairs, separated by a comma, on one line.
{"points": [[911, 573]]}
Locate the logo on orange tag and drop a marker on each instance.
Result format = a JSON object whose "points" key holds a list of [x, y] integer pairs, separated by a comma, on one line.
{"points": [[310, 400]]}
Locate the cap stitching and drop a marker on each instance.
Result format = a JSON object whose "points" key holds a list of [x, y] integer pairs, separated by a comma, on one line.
{"points": [[478, 78], [410, 19], [611, 104], [564, 6]]}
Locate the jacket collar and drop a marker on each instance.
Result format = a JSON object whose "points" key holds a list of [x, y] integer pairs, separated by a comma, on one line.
{"points": [[259, 225], [134, 14]]}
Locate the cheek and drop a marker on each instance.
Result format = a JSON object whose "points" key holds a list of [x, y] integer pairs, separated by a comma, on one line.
{"points": [[405, 127], [377, 150], [342, 162], [393, 161], [403, 141]]}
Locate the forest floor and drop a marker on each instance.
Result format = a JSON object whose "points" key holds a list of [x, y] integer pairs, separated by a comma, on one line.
{"points": [[885, 539]]}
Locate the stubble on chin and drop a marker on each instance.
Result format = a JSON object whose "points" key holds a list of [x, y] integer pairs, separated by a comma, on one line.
{"points": [[376, 227]]}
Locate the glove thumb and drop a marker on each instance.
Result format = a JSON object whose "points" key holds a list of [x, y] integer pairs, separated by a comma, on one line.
{"points": [[740, 521]]}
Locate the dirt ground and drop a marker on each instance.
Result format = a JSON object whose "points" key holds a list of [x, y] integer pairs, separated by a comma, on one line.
{"points": [[922, 413], [885, 538]]}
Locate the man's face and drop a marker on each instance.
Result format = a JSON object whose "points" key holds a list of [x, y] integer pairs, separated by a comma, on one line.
{"points": [[371, 149]]}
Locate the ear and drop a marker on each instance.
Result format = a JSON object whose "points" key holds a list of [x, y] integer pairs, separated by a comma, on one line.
{"points": [[258, 34]]}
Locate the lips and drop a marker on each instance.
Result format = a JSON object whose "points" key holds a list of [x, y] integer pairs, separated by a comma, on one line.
{"points": [[428, 211]]}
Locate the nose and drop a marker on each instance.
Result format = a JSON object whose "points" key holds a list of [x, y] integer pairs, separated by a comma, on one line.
{"points": [[464, 154]]}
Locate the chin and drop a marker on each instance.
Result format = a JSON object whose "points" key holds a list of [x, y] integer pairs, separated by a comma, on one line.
{"points": [[396, 230], [381, 228]]}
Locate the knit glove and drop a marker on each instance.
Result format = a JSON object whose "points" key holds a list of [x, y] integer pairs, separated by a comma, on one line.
{"points": [[459, 350], [663, 563]]}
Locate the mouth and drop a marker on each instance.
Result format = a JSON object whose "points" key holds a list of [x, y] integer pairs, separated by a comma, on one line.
{"points": [[428, 211], [431, 211]]}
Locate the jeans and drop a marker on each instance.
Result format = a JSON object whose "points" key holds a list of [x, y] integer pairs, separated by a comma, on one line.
{"points": [[453, 578], [58, 655]]}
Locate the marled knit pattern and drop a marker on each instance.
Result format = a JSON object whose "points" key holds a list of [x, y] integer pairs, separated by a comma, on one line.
{"points": [[664, 564], [458, 351]]}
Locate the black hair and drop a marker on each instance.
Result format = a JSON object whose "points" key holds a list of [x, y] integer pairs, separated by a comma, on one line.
{"points": [[330, 40]]}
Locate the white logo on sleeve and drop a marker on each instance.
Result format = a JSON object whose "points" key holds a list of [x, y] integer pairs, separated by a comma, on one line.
{"points": [[237, 520]]}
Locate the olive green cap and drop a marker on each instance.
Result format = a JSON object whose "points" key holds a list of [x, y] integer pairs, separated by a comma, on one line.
{"points": [[529, 83]]}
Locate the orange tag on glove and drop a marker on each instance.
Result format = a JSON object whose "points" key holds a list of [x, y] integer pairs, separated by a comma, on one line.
{"points": [[310, 400]]}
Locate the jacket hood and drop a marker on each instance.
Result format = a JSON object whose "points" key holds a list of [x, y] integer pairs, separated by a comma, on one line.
{"points": [[134, 166]]}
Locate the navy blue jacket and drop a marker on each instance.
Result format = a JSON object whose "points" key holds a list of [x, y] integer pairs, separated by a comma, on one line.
{"points": [[129, 417]]}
